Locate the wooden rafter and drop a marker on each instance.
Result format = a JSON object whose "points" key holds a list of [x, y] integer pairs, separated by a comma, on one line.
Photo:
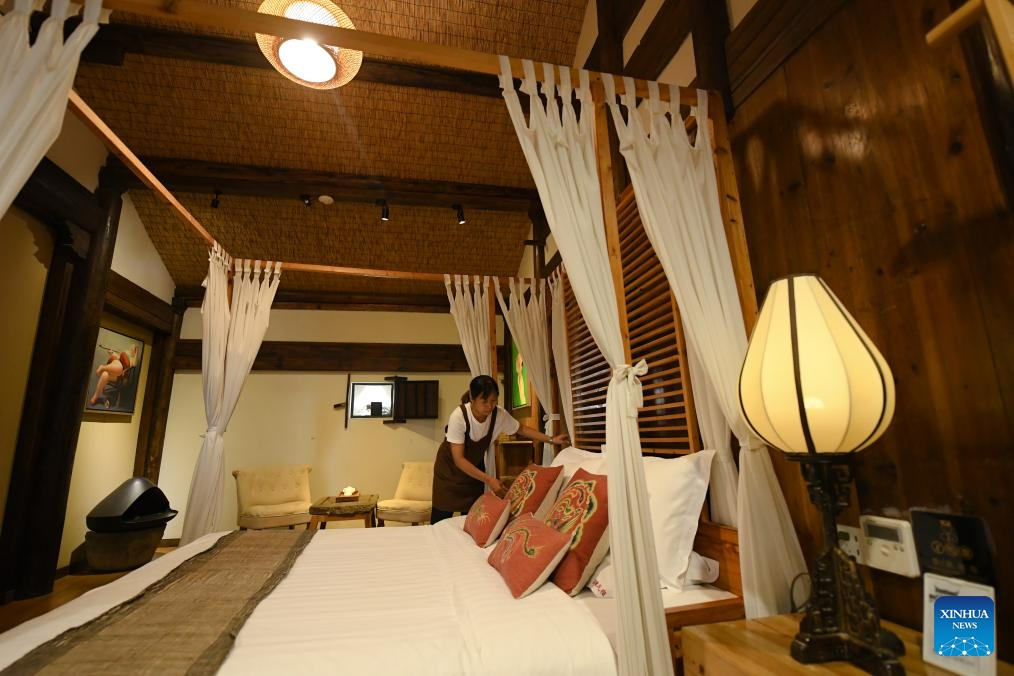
{"points": [[182, 176]]}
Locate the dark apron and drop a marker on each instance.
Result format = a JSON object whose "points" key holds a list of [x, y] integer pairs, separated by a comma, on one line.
{"points": [[453, 490]]}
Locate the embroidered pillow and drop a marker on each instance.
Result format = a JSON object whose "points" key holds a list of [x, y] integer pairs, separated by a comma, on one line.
{"points": [[527, 553], [534, 490], [486, 519], [581, 511]]}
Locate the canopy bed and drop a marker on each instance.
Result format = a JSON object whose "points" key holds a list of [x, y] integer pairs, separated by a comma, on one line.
{"points": [[567, 151]]}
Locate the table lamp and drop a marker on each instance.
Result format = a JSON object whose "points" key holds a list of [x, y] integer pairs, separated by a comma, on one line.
{"points": [[814, 386]]}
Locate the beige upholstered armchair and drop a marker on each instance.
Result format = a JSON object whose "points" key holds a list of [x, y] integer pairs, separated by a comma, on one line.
{"points": [[273, 495], [413, 498]]}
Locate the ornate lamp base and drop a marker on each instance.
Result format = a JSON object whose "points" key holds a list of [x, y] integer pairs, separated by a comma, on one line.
{"points": [[841, 621]]}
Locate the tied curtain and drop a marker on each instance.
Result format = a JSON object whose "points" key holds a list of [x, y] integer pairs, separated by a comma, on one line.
{"points": [[527, 322], [677, 197], [35, 81], [231, 339], [470, 309], [560, 354], [560, 149]]}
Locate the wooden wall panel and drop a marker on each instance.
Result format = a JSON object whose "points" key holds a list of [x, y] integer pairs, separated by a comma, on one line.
{"points": [[862, 158]]}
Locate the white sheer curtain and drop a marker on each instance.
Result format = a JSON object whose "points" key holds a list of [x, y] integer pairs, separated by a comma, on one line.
{"points": [[232, 337], [470, 309], [527, 322], [35, 81], [560, 354], [560, 150], [677, 197]]}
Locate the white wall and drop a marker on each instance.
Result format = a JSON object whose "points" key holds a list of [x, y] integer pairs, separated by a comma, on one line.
{"points": [[285, 417], [289, 418], [24, 262]]}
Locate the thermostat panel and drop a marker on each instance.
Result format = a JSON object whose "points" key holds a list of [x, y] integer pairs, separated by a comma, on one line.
{"points": [[888, 544]]}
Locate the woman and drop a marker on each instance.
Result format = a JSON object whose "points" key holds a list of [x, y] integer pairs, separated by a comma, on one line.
{"points": [[116, 364], [459, 474]]}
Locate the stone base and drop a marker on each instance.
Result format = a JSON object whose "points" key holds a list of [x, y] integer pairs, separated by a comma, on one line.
{"points": [[122, 551]]}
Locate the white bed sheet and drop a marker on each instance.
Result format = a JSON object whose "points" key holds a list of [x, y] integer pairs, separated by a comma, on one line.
{"points": [[383, 601]]}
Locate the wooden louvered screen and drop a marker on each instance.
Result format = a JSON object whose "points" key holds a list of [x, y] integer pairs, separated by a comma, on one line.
{"points": [[667, 423]]}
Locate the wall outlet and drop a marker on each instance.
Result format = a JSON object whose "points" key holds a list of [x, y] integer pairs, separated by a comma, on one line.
{"points": [[849, 541]]}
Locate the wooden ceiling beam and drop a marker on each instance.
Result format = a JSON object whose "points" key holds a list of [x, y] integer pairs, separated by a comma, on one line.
{"points": [[197, 176], [615, 17], [667, 32], [287, 299], [114, 41]]}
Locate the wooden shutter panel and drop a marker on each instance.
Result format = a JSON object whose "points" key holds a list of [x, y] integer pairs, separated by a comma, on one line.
{"points": [[667, 422]]}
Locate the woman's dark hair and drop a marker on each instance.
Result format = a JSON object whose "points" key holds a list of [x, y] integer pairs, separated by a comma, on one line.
{"points": [[483, 386]]}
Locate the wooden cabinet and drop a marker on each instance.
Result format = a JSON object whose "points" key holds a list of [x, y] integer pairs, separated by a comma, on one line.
{"points": [[512, 457]]}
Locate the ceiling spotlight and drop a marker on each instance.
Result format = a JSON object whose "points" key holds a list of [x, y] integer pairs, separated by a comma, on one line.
{"points": [[385, 212], [461, 213], [305, 199], [215, 201], [326, 200]]}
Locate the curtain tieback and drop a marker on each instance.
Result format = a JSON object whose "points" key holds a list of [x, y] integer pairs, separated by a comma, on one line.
{"points": [[214, 429], [631, 375], [752, 443], [550, 416]]}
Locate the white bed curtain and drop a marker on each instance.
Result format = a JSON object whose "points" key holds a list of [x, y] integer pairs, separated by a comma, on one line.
{"points": [[470, 309], [526, 320], [35, 81], [232, 336], [560, 354], [677, 197], [560, 149]]}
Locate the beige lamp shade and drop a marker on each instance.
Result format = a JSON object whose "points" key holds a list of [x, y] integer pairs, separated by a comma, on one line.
{"points": [[304, 61], [812, 381]]}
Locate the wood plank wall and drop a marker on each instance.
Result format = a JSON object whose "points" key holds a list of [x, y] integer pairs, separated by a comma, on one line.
{"points": [[862, 158], [667, 423]]}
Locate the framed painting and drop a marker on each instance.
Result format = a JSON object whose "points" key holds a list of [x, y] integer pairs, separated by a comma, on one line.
{"points": [[116, 372], [518, 374]]}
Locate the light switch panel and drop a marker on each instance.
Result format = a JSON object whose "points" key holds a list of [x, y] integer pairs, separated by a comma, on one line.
{"points": [[888, 544]]}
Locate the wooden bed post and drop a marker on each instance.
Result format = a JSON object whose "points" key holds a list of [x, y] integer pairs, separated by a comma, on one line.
{"points": [[732, 214], [605, 172]]}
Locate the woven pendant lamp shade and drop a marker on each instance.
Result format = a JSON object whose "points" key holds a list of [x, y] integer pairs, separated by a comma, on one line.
{"points": [[331, 67]]}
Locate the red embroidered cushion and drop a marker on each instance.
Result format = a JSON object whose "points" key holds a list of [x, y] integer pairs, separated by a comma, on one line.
{"points": [[582, 512], [527, 553], [486, 519], [534, 490]]}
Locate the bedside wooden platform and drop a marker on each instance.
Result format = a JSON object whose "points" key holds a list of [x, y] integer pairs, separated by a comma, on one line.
{"points": [[761, 646]]}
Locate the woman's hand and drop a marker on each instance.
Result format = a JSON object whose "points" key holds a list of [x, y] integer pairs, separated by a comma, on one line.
{"points": [[495, 485]]}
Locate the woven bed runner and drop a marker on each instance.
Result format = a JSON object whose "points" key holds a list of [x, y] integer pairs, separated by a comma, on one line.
{"points": [[185, 623]]}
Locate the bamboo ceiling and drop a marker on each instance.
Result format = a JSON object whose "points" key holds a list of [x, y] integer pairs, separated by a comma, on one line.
{"points": [[192, 109]]}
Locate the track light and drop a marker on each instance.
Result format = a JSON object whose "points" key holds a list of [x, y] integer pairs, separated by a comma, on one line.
{"points": [[385, 212], [461, 213], [215, 201], [305, 199]]}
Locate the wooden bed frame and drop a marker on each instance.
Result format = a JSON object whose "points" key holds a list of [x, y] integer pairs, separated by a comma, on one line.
{"points": [[721, 543]]}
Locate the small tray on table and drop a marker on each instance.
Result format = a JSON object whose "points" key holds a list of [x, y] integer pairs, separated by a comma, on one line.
{"points": [[347, 498]]}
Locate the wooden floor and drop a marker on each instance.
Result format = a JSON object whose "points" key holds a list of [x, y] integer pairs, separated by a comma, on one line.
{"points": [[65, 589]]}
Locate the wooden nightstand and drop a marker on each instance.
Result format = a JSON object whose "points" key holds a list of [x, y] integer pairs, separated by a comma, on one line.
{"points": [[762, 647]]}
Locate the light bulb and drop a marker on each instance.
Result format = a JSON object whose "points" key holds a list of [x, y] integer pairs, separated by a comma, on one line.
{"points": [[307, 60]]}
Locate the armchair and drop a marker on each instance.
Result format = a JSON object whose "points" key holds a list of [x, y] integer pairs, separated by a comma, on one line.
{"points": [[273, 495], [413, 498]]}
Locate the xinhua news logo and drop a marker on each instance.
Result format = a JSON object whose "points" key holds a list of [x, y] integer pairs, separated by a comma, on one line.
{"points": [[963, 626]]}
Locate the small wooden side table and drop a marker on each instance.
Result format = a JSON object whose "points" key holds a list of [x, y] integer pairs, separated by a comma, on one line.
{"points": [[761, 646], [330, 509]]}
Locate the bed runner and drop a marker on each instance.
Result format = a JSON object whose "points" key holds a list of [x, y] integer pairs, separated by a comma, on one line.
{"points": [[183, 624]]}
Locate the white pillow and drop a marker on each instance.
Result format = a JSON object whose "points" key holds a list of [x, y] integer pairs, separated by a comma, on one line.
{"points": [[571, 458], [676, 491], [701, 570]]}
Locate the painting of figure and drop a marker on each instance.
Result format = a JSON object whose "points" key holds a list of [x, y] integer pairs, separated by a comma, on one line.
{"points": [[116, 370]]}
